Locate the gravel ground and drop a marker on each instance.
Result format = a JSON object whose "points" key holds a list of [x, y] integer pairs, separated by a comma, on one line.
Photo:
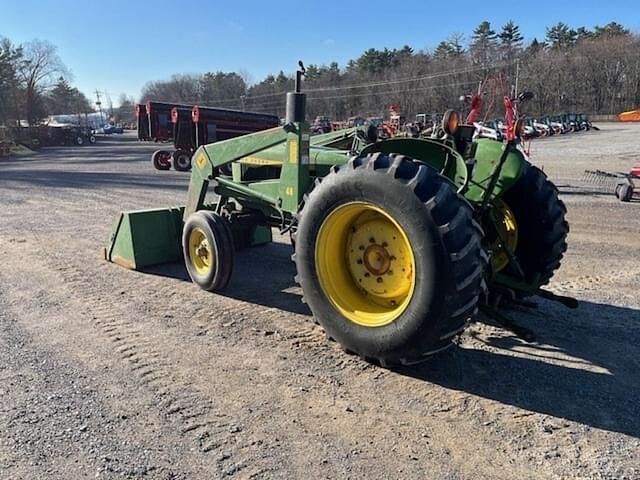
{"points": [[109, 373]]}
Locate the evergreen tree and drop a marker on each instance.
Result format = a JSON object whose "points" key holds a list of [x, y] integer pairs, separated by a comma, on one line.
{"points": [[560, 36], [483, 43], [510, 36], [483, 35], [10, 57], [216, 86], [583, 33], [452, 47], [612, 29], [65, 99]]}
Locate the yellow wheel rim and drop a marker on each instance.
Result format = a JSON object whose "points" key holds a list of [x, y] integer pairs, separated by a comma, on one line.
{"points": [[507, 230], [200, 253], [365, 264]]}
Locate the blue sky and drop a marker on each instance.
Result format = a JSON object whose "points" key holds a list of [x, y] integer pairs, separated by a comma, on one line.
{"points": [[117, 46]]}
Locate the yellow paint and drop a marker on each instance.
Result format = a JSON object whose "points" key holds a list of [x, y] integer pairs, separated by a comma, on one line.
{"points": [[259, 161], [200, 254], [365, 264], [201, 161], [508, 230], [293, 151]]}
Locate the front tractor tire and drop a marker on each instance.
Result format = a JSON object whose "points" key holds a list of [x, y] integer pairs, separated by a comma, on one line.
{"points": [[542, 228], [207, 247], [389, 259]]}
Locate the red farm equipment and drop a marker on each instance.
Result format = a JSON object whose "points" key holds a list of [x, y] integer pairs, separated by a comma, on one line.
{"points": [[142, 122], [193, 126]]}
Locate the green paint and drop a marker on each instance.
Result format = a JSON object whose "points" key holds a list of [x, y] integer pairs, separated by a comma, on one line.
{"points": [[487, 156], [143, 238], [439, 156], [272, 170]]}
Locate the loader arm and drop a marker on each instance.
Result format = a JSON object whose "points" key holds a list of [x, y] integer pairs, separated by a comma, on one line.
{"points": [[210, 157]]}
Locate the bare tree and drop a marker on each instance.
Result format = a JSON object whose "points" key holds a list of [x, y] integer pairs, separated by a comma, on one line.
{"points": [[39, 69], [593, 71]]}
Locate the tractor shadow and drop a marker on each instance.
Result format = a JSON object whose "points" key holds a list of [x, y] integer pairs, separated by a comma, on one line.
{"points": [[262, 275], [583, 367]]}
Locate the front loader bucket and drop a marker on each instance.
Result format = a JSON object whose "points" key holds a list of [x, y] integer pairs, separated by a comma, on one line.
{"points": [[142, 238]]}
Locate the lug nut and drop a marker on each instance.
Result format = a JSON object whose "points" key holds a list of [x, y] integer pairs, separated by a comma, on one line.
{"points": [[372, 240], [359, 261], [367, 274], [385, 244], [361, 247], [379, 279]]}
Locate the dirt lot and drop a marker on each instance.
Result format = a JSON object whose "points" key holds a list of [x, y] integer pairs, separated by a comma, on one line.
{"points": [[109, 373]]}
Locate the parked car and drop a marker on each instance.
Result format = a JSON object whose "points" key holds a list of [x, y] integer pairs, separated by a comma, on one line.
{"points": [[109, 129]]}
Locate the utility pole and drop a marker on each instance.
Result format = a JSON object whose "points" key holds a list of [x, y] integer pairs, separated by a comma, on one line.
{"points": [[99, 104], [110, 103], [517, 75]]}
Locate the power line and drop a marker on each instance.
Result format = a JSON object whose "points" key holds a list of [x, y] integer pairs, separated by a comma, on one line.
{"points": [[379, 83], [388, 92], [408, 80]]}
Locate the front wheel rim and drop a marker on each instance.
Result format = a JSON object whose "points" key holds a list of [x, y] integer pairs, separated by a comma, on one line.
{"points": [[365, 264], [200, 252]]}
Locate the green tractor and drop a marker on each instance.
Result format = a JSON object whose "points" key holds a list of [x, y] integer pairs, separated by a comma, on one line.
{"points": [[396, 244]]}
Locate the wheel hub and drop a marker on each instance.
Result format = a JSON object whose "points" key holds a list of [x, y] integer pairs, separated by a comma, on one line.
{"points": [[203, 251], [200, 252], [378, 260]]}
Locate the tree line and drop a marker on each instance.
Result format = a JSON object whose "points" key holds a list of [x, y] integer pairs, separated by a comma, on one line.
{"points": [[35, 83], [596, 71]]}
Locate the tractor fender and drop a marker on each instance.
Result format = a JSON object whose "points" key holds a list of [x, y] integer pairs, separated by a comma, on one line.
{"points": [[487, 156], [439, 156]]}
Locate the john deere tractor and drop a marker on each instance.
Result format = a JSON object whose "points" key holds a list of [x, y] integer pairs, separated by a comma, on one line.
{"points": [[397, 242]]}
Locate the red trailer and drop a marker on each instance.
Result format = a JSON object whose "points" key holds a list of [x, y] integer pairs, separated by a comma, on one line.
{"points": [[142, 122], [193, 126]]}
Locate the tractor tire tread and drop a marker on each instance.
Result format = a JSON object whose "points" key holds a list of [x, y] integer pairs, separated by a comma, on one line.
{"points": [[458, 232], [543, 237]]}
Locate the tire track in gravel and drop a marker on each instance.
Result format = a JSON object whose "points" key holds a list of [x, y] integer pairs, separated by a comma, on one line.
{"points": [[193, 414], [583, 283]]}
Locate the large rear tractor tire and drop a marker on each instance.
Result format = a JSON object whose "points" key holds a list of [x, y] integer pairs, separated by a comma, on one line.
{"points": [[389, 259], [161, 160], [542, 229], [207, 247]]}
